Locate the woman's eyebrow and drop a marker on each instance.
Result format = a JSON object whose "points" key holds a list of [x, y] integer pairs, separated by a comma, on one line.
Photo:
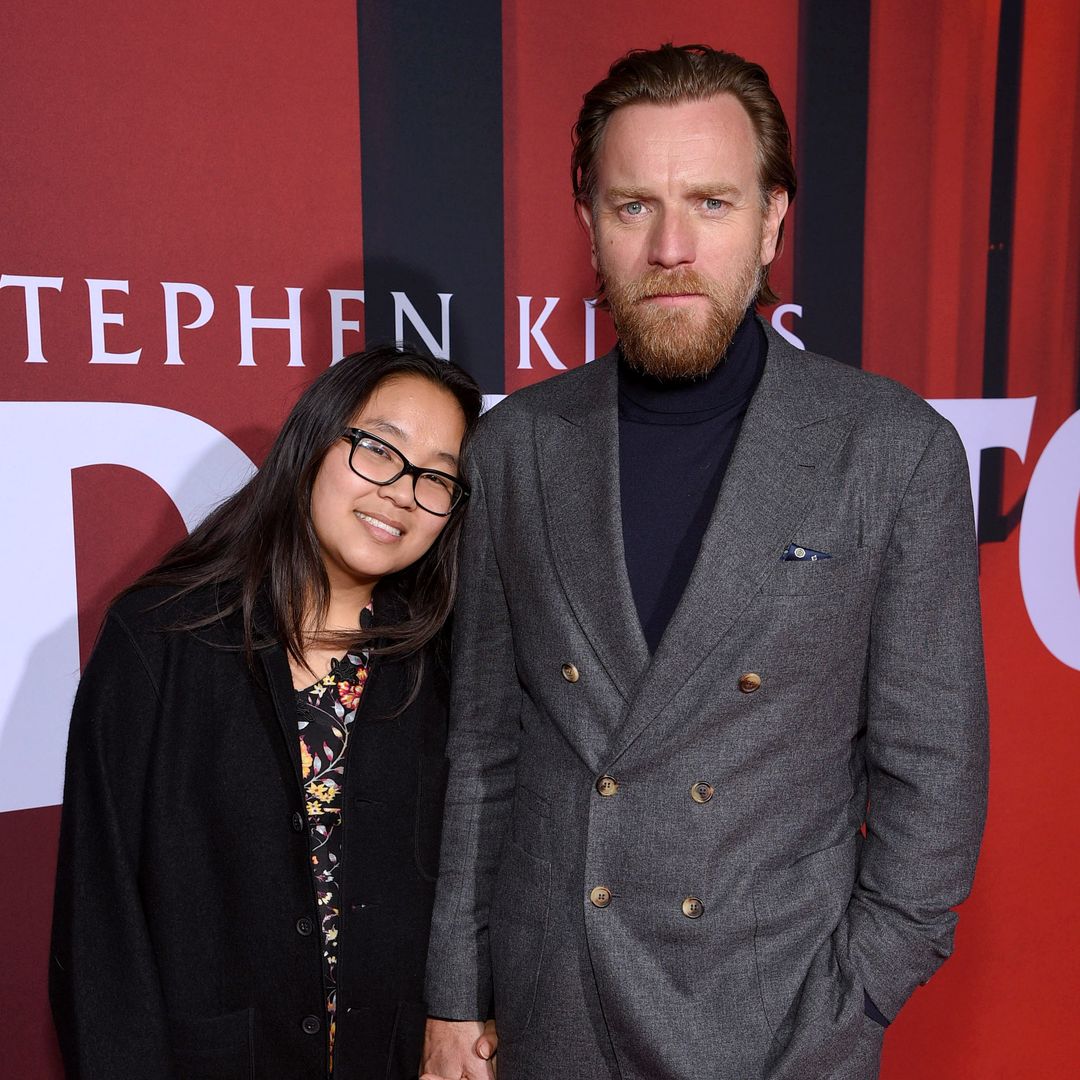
{"points": [[376, 423], [390, 428]]}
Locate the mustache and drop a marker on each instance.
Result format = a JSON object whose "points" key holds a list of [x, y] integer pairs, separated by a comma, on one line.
{"points": [[666, 283]]}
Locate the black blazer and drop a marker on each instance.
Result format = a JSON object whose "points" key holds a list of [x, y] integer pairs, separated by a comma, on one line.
{"points": [[182, 932]]}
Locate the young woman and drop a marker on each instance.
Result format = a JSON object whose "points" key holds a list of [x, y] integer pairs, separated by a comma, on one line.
{"points": [[255, 770]]}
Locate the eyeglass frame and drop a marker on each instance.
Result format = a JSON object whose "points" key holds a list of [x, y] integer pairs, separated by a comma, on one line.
{"points": [[354, 435]]}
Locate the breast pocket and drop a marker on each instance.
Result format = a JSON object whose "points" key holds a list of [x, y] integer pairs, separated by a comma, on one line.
{"points": [[823, 578]]}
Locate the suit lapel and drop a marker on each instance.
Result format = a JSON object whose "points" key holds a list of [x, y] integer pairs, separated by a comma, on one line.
{"points": [[787, 442], [578, 450]]}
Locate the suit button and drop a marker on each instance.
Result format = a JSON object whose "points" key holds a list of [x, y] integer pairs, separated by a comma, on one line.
{"points": [[600, 896], [297, 821], [311, 1025], [570, 673], [304, 926], [693, 908], [607, 785], [749, 682], [701, 792]]}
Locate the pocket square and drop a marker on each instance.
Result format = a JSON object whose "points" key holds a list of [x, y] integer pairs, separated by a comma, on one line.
{"points": [[799, 553]]}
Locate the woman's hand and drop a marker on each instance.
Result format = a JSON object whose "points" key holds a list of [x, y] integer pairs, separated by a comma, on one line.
{"points": [[488, 1044], [458, 1050]]}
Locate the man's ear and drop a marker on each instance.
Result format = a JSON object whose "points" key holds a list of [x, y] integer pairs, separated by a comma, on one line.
{"points": [[585, 216], [774, 215]]}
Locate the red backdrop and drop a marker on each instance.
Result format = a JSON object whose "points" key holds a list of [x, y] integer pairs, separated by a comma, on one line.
{"points": [[219, 146]]}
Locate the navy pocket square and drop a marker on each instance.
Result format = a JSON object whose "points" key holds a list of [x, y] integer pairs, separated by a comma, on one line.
{"points": [[798, 553]]}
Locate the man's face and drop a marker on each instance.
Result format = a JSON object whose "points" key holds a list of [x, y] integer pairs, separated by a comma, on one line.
{"points": [[678, 231]]}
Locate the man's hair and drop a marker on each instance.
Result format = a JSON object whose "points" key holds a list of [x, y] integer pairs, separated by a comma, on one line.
{"points": [[674, 74]]}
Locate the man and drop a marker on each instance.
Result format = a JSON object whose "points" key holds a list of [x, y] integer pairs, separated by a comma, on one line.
{"points": [[719, 616]]}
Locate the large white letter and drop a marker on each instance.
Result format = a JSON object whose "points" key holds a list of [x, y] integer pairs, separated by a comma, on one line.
{"points": [[172, 316], [1048, 545], [31, 286], [535, 332], [778, 325], [338, 323], [99, 317], [590, 330], [248, 323], [986, 423], [39, 662], [403, 308]]}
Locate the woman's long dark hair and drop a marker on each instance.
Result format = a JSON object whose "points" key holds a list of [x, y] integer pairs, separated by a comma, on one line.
{"points": [[260, 542]]}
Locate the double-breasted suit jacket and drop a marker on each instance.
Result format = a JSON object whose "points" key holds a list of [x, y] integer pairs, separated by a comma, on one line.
{"points": [[656, 866]]}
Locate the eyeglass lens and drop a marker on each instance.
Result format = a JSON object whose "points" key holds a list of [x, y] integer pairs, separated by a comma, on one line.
{"points": [[375, 461]]}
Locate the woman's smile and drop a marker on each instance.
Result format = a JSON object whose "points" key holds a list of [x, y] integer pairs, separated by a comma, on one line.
{"points": [[383, 530]]}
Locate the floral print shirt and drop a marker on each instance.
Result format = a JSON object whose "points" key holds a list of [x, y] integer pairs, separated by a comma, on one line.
{"points": [[326, 712]]}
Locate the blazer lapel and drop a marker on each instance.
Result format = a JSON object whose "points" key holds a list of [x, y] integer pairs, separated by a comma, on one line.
{"points": [[283, 695], [385, 691], [578, 451], [787, 442]]}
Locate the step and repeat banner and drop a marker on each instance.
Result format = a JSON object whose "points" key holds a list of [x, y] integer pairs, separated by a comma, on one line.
{"points": [[203, 205]]}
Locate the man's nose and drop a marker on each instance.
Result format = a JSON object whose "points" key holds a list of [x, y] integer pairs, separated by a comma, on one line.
{"points": [[671, 241]]}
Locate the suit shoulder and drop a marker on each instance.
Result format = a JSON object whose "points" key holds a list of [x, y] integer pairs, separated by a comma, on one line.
{"points": [[877, 399], [553, 393], [151, 615], [518, 411]]}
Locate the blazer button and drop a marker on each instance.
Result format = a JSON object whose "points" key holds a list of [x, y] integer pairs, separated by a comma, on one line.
{"points": [[297, 821], [701, 792], [311, 1025], [304, 926], [693, 908], [607, 785], [749, 682], [570, 673], [600, 896]]}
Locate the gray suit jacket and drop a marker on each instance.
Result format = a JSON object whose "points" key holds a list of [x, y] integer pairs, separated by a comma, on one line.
{"points": [[869, 692]]}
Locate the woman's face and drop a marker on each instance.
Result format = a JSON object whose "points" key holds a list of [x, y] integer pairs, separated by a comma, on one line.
{"points": [[367, 531]]}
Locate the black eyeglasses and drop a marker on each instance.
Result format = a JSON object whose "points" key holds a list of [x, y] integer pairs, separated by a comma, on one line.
{"points": [[375, 460]]}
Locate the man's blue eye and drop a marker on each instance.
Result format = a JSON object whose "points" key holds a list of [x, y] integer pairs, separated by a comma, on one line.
{"points": [[634, 209], [714, 204]]}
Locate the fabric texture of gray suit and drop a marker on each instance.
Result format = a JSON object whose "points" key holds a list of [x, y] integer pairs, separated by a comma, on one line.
{"points": [[871, 692]]}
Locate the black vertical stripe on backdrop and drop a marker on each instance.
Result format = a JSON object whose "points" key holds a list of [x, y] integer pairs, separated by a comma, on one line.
{"points": [[834, 69], [431, 160], [995, 523]]}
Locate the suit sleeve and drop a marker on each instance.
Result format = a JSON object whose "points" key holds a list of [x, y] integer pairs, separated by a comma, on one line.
{"points": [[485, 711], [103, 984], [927, 740]]}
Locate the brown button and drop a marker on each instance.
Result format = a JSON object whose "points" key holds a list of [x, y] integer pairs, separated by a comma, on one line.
{"points": [[749, 682], [600, 896], [693, 908], [701, 792], [570, 673], [607, 785]]}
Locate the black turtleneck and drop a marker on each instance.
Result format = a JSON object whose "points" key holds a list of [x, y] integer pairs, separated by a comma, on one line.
{"points": [[675, 441]]}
